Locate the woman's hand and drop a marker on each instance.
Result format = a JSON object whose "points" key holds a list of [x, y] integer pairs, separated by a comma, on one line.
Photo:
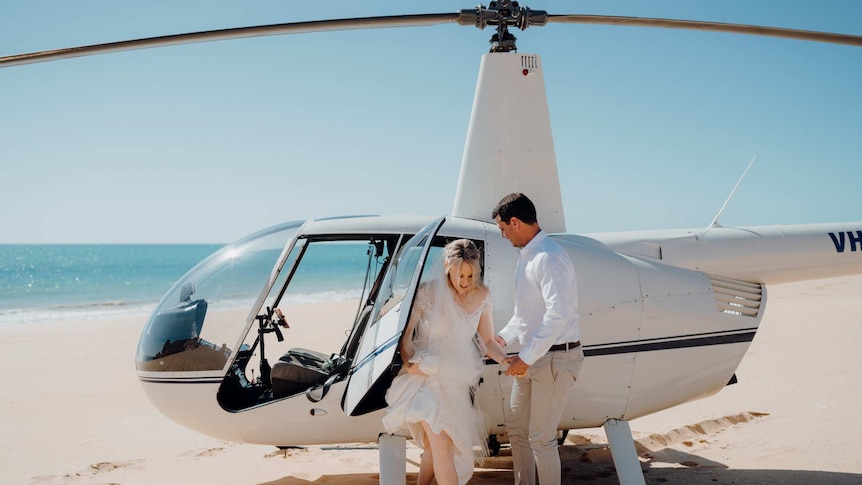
{"points": [[413, 368]]}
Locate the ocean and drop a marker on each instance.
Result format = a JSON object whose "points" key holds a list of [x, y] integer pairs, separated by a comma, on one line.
{"points": [[57, 282], [89, 281]]}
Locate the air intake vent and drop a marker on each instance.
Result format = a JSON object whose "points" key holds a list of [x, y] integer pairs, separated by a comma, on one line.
{"points": [[530, 62], [737, 297]]}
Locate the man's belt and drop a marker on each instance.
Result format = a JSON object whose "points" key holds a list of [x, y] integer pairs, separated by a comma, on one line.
{"points": [[565, 346]]}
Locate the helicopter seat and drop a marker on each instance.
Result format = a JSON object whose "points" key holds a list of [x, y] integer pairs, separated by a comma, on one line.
{"points": [[296, 371]]}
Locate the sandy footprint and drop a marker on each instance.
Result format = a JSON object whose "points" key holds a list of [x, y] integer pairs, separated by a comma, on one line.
{"points": [[210, 452], [91, 471], [286, 452]]}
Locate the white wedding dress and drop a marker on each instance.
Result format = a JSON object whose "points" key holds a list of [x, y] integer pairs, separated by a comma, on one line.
{"points": [[448, 350]]}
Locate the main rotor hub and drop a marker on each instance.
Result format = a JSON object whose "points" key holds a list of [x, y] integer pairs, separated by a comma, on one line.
{"points": [[503, 14]]}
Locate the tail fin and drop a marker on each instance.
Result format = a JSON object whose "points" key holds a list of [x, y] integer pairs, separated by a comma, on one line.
{"points": [[509, 145]]}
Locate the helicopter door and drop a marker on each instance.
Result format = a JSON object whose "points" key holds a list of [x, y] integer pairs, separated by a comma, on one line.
{"points": [[371, 376]]}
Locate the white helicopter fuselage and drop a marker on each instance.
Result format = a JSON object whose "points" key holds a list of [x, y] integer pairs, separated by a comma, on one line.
{"points": [[655, 335]]}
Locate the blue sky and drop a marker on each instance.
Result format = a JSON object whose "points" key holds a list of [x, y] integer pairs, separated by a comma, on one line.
{"points": [[209, 142]]}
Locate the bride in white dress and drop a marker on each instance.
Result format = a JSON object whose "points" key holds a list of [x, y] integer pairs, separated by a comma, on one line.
{"points": [[449, 333]]}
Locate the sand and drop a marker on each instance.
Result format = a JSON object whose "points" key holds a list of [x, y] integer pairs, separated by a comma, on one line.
{"points": [[72, 411]]}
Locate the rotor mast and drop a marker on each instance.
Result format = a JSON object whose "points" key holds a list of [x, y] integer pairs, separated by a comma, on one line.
{"points": [[502, 14]]}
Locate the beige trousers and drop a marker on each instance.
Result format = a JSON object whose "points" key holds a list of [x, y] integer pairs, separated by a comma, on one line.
{"points": [[537, 405]]}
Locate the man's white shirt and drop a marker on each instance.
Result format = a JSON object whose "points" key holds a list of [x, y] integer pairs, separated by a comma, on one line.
{"points": [[546, 299]]}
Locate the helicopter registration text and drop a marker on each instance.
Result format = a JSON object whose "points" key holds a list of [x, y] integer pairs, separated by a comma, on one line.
{"points": [[841, 244]]}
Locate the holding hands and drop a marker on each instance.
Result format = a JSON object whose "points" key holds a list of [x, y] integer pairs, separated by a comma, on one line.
{"points": [[516, 366]]}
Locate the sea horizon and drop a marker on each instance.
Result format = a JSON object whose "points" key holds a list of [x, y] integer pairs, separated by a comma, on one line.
{"points": [[78, 281], [72, 282]]}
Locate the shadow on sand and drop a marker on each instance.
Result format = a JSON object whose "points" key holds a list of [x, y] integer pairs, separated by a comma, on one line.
{"points": [[592, 464]]}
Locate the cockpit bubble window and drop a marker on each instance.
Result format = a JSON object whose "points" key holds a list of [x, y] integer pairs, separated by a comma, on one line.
{"points": [[203, 315]]}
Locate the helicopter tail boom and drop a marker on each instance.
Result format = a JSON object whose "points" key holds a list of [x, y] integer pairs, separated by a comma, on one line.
{"points": [[762, 254]]}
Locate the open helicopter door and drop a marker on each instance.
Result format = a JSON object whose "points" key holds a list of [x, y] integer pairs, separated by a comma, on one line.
{"points": [[370, 376]]}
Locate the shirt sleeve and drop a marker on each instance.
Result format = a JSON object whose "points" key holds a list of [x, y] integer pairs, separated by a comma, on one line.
{"points": [[510, 332], [554, 275]]}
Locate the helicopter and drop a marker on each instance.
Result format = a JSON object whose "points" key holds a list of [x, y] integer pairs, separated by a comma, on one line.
{"points": [[224, 354]]}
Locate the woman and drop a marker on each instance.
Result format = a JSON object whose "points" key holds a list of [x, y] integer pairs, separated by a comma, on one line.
{"points": [[449, 332]]}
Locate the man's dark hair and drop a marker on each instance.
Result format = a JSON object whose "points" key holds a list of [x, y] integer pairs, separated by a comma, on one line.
{"points": [[515, 205]]}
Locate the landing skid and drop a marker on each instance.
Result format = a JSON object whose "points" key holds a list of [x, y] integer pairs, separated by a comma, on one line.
{"points": [[623, 451], [393, 459]]}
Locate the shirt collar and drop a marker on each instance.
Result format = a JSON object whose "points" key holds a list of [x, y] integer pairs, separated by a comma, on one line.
{"points": [[535, 242]]}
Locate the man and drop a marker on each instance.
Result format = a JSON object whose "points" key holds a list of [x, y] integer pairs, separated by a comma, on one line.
{"points": [[545, 322]]}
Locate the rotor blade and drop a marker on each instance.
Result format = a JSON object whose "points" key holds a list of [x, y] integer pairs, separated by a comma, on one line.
{"points": [[845, 39], [233, 33]]}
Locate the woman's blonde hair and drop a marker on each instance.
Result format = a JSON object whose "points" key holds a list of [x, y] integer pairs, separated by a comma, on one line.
{"points": [[461, 251]]}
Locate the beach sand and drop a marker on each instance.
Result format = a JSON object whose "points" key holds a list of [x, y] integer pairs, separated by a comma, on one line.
{"points": [[72, 411]]}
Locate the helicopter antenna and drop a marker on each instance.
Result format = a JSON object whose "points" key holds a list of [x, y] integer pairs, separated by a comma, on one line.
{"points": [[714, 222]]}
